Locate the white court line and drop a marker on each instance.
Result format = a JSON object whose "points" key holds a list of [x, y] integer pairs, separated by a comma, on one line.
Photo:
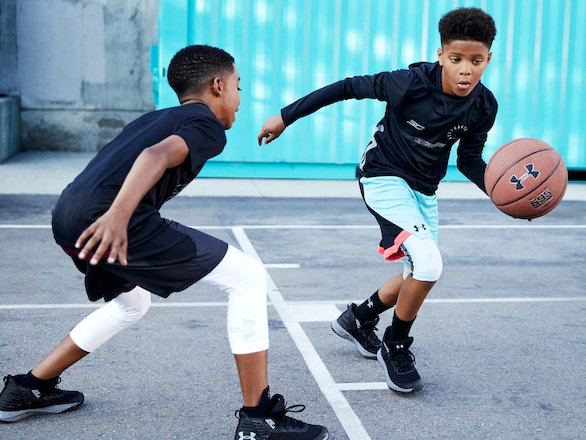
{"points": [[346, 415], [527, 225], [504, 300], [314, 312], [282, 266], [25, 226], [535, 299], [363, 386], [100, 304], [430, 301]]}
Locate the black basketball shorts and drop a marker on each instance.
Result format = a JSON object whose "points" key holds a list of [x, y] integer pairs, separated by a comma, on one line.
{"points": [[169, 259]]}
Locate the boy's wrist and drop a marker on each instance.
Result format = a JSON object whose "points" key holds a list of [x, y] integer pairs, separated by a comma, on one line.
{"points": [[120, 211]]}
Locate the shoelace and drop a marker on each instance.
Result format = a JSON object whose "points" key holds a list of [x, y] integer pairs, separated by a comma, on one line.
{"points": [[52, 391], [368, 330], [55, 392], [403, 359], [283, 420], [289, 422]]}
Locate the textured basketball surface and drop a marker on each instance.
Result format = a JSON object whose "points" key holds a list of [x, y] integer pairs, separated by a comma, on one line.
{"points": [[526, 178]]}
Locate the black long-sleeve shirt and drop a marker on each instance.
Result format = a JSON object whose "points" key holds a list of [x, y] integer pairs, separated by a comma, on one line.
{"points": [[421, 123]]}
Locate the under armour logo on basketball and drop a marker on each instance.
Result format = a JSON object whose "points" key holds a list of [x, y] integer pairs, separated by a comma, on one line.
{"points": [[242, 436], [518, 181]]}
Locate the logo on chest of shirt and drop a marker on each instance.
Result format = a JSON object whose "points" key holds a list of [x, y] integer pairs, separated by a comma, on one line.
{"points": [[457, 132], [413, 123]]}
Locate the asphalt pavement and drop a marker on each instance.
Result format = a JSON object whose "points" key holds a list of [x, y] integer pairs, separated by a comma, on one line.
{"points": [[499, 343]]}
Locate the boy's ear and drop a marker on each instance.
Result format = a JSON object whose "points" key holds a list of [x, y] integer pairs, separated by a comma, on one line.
{"points": [[217, 86], [439, 56]]}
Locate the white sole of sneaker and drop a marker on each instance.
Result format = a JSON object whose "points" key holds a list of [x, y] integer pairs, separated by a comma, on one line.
{"points": [[15, 416], [339, 330], [392, 385]]}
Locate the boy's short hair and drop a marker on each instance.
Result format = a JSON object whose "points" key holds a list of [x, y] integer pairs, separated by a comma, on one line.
{"points": [[193, 68], [471, 24]]}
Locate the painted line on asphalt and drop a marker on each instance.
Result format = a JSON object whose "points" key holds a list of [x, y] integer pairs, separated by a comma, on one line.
{"points": [[533, 299], [363, 386], [215, 227], [282, 266], [293, 305], [346, 415]]}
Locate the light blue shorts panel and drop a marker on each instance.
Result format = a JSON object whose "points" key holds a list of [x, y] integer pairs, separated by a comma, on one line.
{"points": [[393, 199]]}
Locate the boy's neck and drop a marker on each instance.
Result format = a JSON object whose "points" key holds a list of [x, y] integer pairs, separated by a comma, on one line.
{"points": [[192, 101]]}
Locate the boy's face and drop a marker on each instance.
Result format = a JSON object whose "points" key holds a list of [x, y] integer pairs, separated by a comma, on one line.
{"points": [[230, 99], [463, 63]]}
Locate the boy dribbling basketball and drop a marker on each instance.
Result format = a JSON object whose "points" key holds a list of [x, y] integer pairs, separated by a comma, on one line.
{"points": [[430, 107]]}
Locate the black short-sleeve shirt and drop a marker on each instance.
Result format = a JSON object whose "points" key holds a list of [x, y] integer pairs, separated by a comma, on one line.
{"points": [[94, 189], [163, 256]]}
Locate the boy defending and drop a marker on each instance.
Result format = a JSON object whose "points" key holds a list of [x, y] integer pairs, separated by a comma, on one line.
{"points": [[430, 107], [108, 221]]}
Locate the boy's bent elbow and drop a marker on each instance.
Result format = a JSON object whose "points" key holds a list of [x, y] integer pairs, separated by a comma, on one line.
{"points": [[169, 153]]}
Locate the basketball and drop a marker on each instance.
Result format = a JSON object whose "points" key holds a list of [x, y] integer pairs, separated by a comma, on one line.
{"points": [[526, 178]]}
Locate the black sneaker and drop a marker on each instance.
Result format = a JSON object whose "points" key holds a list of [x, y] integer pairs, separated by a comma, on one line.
{"points": [[277, 426], [361, 334], [399, 365], [18, 402]]}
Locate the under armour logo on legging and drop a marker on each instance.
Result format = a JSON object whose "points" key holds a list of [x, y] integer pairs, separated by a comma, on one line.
{"points": [[242, 436]]}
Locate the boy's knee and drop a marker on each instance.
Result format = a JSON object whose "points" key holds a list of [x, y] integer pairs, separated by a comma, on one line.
{"points": [[424, 258], [429, 268], [256, 274], [143, 307], [131, 306]]}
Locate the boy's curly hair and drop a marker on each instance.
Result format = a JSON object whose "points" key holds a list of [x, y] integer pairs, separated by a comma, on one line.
{"points": [[194, 67], [471, 24]]}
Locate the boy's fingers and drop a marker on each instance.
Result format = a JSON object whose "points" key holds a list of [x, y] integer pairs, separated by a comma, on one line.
{"points": [[87, 248], [122, 255], [268, 136], [114, 253], [264, 133], [84, 235], [118, 252], [102, 248]]}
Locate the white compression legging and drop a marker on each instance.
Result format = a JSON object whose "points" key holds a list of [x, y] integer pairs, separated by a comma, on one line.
{"points": [[423, 259], [242, 277]]}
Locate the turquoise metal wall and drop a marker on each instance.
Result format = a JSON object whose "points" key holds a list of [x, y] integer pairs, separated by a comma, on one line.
{"points": [[287, 48]]}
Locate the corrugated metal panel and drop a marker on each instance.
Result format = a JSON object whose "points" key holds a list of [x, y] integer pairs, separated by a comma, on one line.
{"points": [[287, 48]]}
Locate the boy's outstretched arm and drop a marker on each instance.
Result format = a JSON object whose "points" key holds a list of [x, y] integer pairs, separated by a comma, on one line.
{"points": [[109, 232], [271, 129], [381, 86]]}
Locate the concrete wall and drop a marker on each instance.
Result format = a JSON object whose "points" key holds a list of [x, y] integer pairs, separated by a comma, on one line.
{"points": [[80, 67]]}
